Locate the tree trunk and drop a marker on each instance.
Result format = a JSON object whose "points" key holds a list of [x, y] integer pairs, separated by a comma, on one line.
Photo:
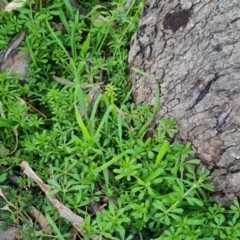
{"points": [[193, 50]]}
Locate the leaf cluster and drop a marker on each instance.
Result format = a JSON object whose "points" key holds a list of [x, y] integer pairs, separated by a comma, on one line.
{"points": [[95, 153]]}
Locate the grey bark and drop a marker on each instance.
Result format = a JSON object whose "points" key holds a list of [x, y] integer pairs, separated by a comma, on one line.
{"points": [[192, 47]]}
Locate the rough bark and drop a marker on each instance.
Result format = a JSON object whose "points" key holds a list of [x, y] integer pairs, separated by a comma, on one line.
{"points": [[192, 47]]}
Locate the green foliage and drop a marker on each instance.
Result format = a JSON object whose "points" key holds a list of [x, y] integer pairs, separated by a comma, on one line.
{"points": [[95, 151]]}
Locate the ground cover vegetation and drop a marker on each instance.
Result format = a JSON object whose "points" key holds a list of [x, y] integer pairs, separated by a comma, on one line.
{"points": [[74, 122]]}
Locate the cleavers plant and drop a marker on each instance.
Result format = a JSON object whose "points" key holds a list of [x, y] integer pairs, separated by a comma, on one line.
{"points": [[96, 152]]}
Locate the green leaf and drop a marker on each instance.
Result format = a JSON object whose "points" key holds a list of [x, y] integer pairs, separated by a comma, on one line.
{"points": [[219, 219], [6, 123], [57, 39], [180, 184], [150, 154], [54, 226], [92, 120], [85, 46], [129, 237], [41, 16], [105, 118], [3, 177], [68, 6], [53, 183], [151, 192], [81, 124], [78, 187], [158, 205], [192, 201], [236, 203], [156, 102], [167, 220], [163, 150], [207, 186], [175, 217], [191, 221], [154, 175], [56, 13], [136, 189], [141, 195], [140, 182], [157, 180], [55, 5], [121, 231], [193, 161], [109, 163], [118, 177], [177, 210]]}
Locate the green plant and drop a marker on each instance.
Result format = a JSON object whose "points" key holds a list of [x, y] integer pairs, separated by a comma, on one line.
{"points": [[88, 140]]}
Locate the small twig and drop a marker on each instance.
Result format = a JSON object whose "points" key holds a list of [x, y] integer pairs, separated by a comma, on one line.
{"points": [[40, 218], [64, 211], [99, 209], [31, 106]]}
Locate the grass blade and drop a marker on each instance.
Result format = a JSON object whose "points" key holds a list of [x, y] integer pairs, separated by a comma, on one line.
{"points": [[85, 46], [109, 163], [93, 114], [105, 118], [57, 39], [54, 227], [156, 104], [81, 124], [163, 150], [68, 6]]}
